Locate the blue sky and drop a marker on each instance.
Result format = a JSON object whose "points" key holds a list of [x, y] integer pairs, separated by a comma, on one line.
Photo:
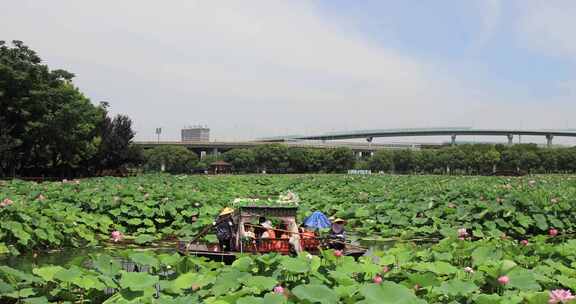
{"points": [[269, 67], [455, 35]]}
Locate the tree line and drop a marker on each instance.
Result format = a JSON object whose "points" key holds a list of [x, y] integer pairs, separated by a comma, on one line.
{"points": [[472, 159], [273, 158], [49, 128], [476, 159]]}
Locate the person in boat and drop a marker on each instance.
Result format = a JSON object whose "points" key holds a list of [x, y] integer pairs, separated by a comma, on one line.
{"points": [[249, 237], [337, 234], [270, 232], [259, 230], [267, 242], [249, 232], [283, 229], [307, 232], [225, 229]]}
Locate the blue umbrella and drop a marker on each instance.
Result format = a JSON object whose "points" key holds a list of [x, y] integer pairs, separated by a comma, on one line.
{"points": [[317, 220]]}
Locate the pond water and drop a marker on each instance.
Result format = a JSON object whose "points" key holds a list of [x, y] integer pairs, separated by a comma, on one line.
{"points": [[79, 256], [70, 256]]}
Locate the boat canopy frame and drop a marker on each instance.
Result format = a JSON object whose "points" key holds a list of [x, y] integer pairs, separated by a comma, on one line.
{"points": [[247, 214]]}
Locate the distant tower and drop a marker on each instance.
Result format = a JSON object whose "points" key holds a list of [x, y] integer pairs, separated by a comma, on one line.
{"points": [[196, 133]]}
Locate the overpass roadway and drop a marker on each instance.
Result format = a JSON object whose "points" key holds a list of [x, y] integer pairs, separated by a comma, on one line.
{"points": [[369, 135]]}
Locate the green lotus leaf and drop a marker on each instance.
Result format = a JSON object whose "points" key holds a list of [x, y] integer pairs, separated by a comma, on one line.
{"points": [[388, 293], [261, 283], [523, 279], [315, 294], [138, 281], [47, 273], [144, 258], [457, 288]]}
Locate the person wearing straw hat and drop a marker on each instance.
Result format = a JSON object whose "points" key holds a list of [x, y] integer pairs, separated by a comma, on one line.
{"points": [[225, 229], [337, 234]]}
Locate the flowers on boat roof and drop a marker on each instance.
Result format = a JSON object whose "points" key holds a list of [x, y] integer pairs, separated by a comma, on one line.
{"points": [[288, 197], [285, 198]]}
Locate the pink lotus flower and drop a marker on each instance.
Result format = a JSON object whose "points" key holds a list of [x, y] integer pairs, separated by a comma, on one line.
{"points": [[279, 289], [524, 242], [462, 232], [146, 195], [554, 200], [503, 280], [6, 202], [532, 182], [560, 296], [117, 236], [41, 197], [451, 205], [377, 279], [552, 232], [469, 270], [338, 253], [416, 287], [385, 269]]}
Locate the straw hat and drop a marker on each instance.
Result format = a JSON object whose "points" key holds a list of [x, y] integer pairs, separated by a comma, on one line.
{"points": [[339, 221], [226, 210]]}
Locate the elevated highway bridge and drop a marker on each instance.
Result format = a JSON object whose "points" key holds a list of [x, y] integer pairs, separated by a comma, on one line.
{"points": [[369, 135]]}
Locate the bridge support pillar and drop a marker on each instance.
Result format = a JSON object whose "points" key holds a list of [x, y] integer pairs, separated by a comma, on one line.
{"points": [[202, 154], [510, 139], [453, 141], [549, 140], [215, 152]]}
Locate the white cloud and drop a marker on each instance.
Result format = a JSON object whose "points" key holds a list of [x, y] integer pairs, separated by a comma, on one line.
{"points": [[548, 26], [490, 13], [247, 69]]}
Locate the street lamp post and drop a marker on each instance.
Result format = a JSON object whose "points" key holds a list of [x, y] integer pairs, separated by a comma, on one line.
{"points": [[158, 131]]}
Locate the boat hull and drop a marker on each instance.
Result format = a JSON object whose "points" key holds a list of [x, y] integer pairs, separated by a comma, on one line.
{"points": [[211, 252]]}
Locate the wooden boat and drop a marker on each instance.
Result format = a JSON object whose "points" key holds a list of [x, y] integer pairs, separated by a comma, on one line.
{"points": [[248, 214]]}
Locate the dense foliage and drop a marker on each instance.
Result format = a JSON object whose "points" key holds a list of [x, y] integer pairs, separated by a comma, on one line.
{"points": [[538, 271], [48, 127], [171, 159], [500, 240], [154, 207], [277, 158], [477, 159]]}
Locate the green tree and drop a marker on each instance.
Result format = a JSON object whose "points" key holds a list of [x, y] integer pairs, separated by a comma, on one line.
{"points": [[243, 160], [548, 159], [382, 161], [567, 160], [342, 159], [174, 159], [51, 125], [403, 160], [272, 157], [116, 149], [300, 159]]}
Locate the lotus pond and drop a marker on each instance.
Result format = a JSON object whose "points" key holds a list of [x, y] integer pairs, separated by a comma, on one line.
{"points": [[488, 240]]}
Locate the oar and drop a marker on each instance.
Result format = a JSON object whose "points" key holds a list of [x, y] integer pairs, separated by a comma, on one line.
{"points": [[199, 235]]}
